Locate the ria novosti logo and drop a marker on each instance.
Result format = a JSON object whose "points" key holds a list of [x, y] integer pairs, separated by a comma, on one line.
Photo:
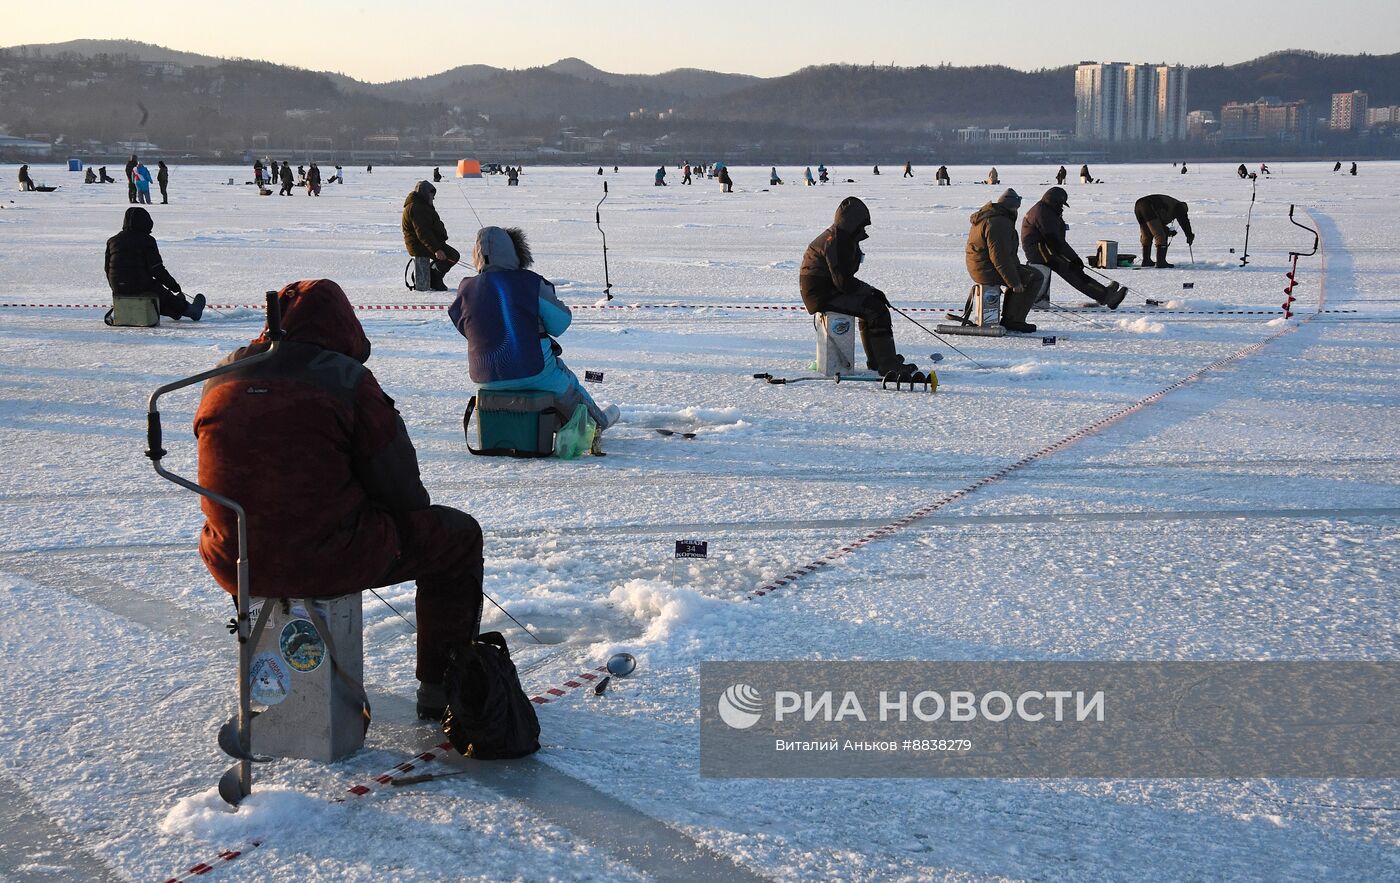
{"points": [[740, 706]]}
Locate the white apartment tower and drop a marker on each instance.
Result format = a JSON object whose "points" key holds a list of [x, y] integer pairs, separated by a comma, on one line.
{"points": [[1099, 101], [1115, 101]]}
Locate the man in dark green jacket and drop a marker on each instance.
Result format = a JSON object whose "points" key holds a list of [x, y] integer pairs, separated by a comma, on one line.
{"points": [[424, 234], [1153, 214], [993, 258]]}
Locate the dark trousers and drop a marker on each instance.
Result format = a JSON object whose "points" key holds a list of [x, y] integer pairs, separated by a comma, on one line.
{"points": [[130, 190], [1151, 231], [440, 549], [172, 305], [1015, 307], [1082, 282], [440, 268], [164, 197]]}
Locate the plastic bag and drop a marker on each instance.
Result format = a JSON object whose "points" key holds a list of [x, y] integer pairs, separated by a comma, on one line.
{"points": [[575, 437]]}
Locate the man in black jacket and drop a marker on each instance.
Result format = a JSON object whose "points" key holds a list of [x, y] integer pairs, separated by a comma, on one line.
{"points": [[1153, 214], [134, 267], [163, 179], [829, 284], [287, 179], [1043, 238]]}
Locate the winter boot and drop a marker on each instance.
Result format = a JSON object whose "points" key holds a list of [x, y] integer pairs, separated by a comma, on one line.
{"points": [[437, 283], [1116, 293], [1018, 327], [195, 309], [432, 701], [1162, 260], [880, 354]]}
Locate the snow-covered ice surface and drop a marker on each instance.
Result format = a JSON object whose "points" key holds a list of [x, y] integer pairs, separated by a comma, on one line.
{"points": [[1251, 515]]}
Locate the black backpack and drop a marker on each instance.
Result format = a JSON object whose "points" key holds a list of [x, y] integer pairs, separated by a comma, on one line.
{"points": [[489, 717]]}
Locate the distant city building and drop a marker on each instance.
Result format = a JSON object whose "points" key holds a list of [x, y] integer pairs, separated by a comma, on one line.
{"points": [[1115, 101], [1349, 111], [1200, 125], [1383, 116], [1267, 119], [979, 135]]}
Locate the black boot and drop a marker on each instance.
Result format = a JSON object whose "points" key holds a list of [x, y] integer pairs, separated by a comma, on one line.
{"points": [[1162, 259], [880, 354], [1018, 327], [1116, 293]]}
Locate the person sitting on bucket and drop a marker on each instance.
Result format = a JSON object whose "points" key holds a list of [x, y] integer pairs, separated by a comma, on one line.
{"points": [[510, 317], [828, 284], [993, 259], [134, 267], [26, 183], [351, 512], [1043, 238], [424, 234]]}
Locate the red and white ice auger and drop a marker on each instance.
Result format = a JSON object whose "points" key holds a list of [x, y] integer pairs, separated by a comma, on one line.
{"points": [[1288, 298]]}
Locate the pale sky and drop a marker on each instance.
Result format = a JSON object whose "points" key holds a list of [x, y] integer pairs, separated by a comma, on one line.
{"points": [[379, 40]]}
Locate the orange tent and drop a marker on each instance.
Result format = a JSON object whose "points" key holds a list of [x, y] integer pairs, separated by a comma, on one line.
{"points": [[468, 168]]}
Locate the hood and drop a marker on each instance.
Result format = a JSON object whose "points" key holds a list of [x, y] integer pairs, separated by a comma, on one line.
{"points": [[1056, 197], [316, 311], [852, 216], [990, 210], [425, 189], [499, 248], [138, 220]]}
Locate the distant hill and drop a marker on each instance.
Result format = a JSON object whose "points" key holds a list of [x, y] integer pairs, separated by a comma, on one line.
{"points": [[1296, 74], [902, 98], [131, 48]]}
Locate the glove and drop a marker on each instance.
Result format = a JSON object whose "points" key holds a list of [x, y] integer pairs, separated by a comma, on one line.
{"points": [[1190, 238]]}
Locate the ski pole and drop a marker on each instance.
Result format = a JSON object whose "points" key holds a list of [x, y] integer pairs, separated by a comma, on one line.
{"points": [[598, 219], [935, 336]]}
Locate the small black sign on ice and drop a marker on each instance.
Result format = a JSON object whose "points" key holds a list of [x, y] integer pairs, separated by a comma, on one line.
{"points": [[593, 376], [692, 549], [1048, 340]]}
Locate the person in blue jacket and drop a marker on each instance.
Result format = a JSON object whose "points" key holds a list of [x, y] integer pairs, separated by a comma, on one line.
{"points": [[808, 176], [510, 317], [141, 177], [660, 176]]}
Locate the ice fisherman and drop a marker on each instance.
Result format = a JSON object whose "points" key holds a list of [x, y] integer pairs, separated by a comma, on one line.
{"points": [[726, 183], [993, 177], [1084, 176], [510, 317], [437, 174], [141, 177], [943, 178], [130, 183], [134, 267], [1043, 238], [660, 177], [828, 283], [807, 175], [908, 169], [26, 183], [1154, 215], [424, 234], [351, 512], [1061, 175], [773, 179], [993, 259], [163, 180]]}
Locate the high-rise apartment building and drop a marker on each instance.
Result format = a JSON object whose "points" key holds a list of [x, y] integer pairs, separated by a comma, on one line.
{"points": [[1349, 111], [1116, 101]]}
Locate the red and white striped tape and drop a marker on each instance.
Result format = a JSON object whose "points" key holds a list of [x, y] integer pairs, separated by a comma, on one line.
{"points": [[202, 868], [785, 308]]}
